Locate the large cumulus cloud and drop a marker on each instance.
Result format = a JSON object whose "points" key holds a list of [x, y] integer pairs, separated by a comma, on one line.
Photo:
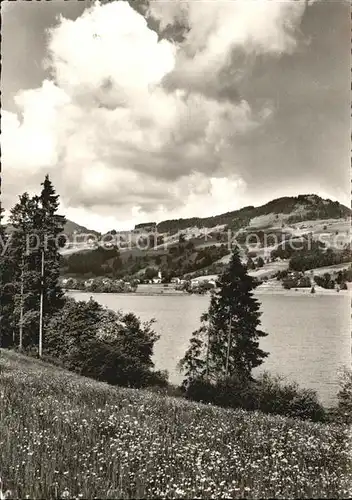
{"points": [[134, 123]]}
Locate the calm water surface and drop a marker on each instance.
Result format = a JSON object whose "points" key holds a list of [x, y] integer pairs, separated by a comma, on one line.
{"points": [[309, 336]]}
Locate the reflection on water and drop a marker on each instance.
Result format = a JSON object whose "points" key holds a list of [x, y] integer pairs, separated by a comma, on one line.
{"points": [[309, 336]]}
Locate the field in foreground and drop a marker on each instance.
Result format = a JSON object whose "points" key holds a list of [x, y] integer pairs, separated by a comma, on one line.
{"points": [[61, 434]]}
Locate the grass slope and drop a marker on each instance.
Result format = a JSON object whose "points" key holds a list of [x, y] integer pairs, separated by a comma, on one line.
{"points": [[61, 434]]}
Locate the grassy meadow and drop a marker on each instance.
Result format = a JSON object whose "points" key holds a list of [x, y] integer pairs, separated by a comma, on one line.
{"points": [[65, 436]]}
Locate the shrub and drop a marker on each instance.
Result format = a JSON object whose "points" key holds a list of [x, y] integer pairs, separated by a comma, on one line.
{"points": [[325, 281], [289, 283], [260, 262], [266, 393], [200, 390], [277, 397], [281, 274], [236, 392], [168, 390], [105, 345], [304, 282], [344, 397]]}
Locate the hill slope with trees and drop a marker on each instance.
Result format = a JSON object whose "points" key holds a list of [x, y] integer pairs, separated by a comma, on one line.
{"points": [[296, 208]]}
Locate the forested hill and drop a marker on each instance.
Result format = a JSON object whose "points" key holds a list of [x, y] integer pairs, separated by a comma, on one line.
{"points": [[70, 229], [291, 209], [297, 208]]}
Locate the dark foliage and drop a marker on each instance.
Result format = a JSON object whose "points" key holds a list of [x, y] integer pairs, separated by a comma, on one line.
{"points": [[6, 290], [36, 229], [100, 285], [310, 259], [97, 262], [344, 397], [113, 347], [177, 260], [293, 247], [296, 281], [266, 393], [228, 340], [315, 208]]}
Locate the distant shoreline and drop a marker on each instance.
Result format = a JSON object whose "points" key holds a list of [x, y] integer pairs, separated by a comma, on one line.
{"points": [[173, 293], [263, 291], [301, 291]]}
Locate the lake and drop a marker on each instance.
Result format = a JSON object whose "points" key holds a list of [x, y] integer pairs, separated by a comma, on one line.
{"points": [[309, 335]]}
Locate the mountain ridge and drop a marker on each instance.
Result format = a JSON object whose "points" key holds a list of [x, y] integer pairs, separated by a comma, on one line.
{"points": [[298, 208], [292, 208], [203, 244], [302, 207]]}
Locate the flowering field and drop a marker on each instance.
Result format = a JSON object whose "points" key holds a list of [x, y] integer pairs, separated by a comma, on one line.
{"points": [[64, 436]]}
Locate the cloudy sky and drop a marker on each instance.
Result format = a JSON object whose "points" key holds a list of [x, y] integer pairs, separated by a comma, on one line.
{"points": [[182, 108]]}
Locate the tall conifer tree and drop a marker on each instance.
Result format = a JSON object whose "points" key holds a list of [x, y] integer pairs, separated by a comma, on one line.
{"points": [[21, 219], [6, 289], [51, 225], [227, 344], [37, 228]]}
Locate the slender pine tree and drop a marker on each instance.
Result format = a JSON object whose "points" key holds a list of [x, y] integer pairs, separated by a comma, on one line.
{"points": [[195, 363], [228, 344], [51, 225], [23, 274], [6, 288], [37, 229]]}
